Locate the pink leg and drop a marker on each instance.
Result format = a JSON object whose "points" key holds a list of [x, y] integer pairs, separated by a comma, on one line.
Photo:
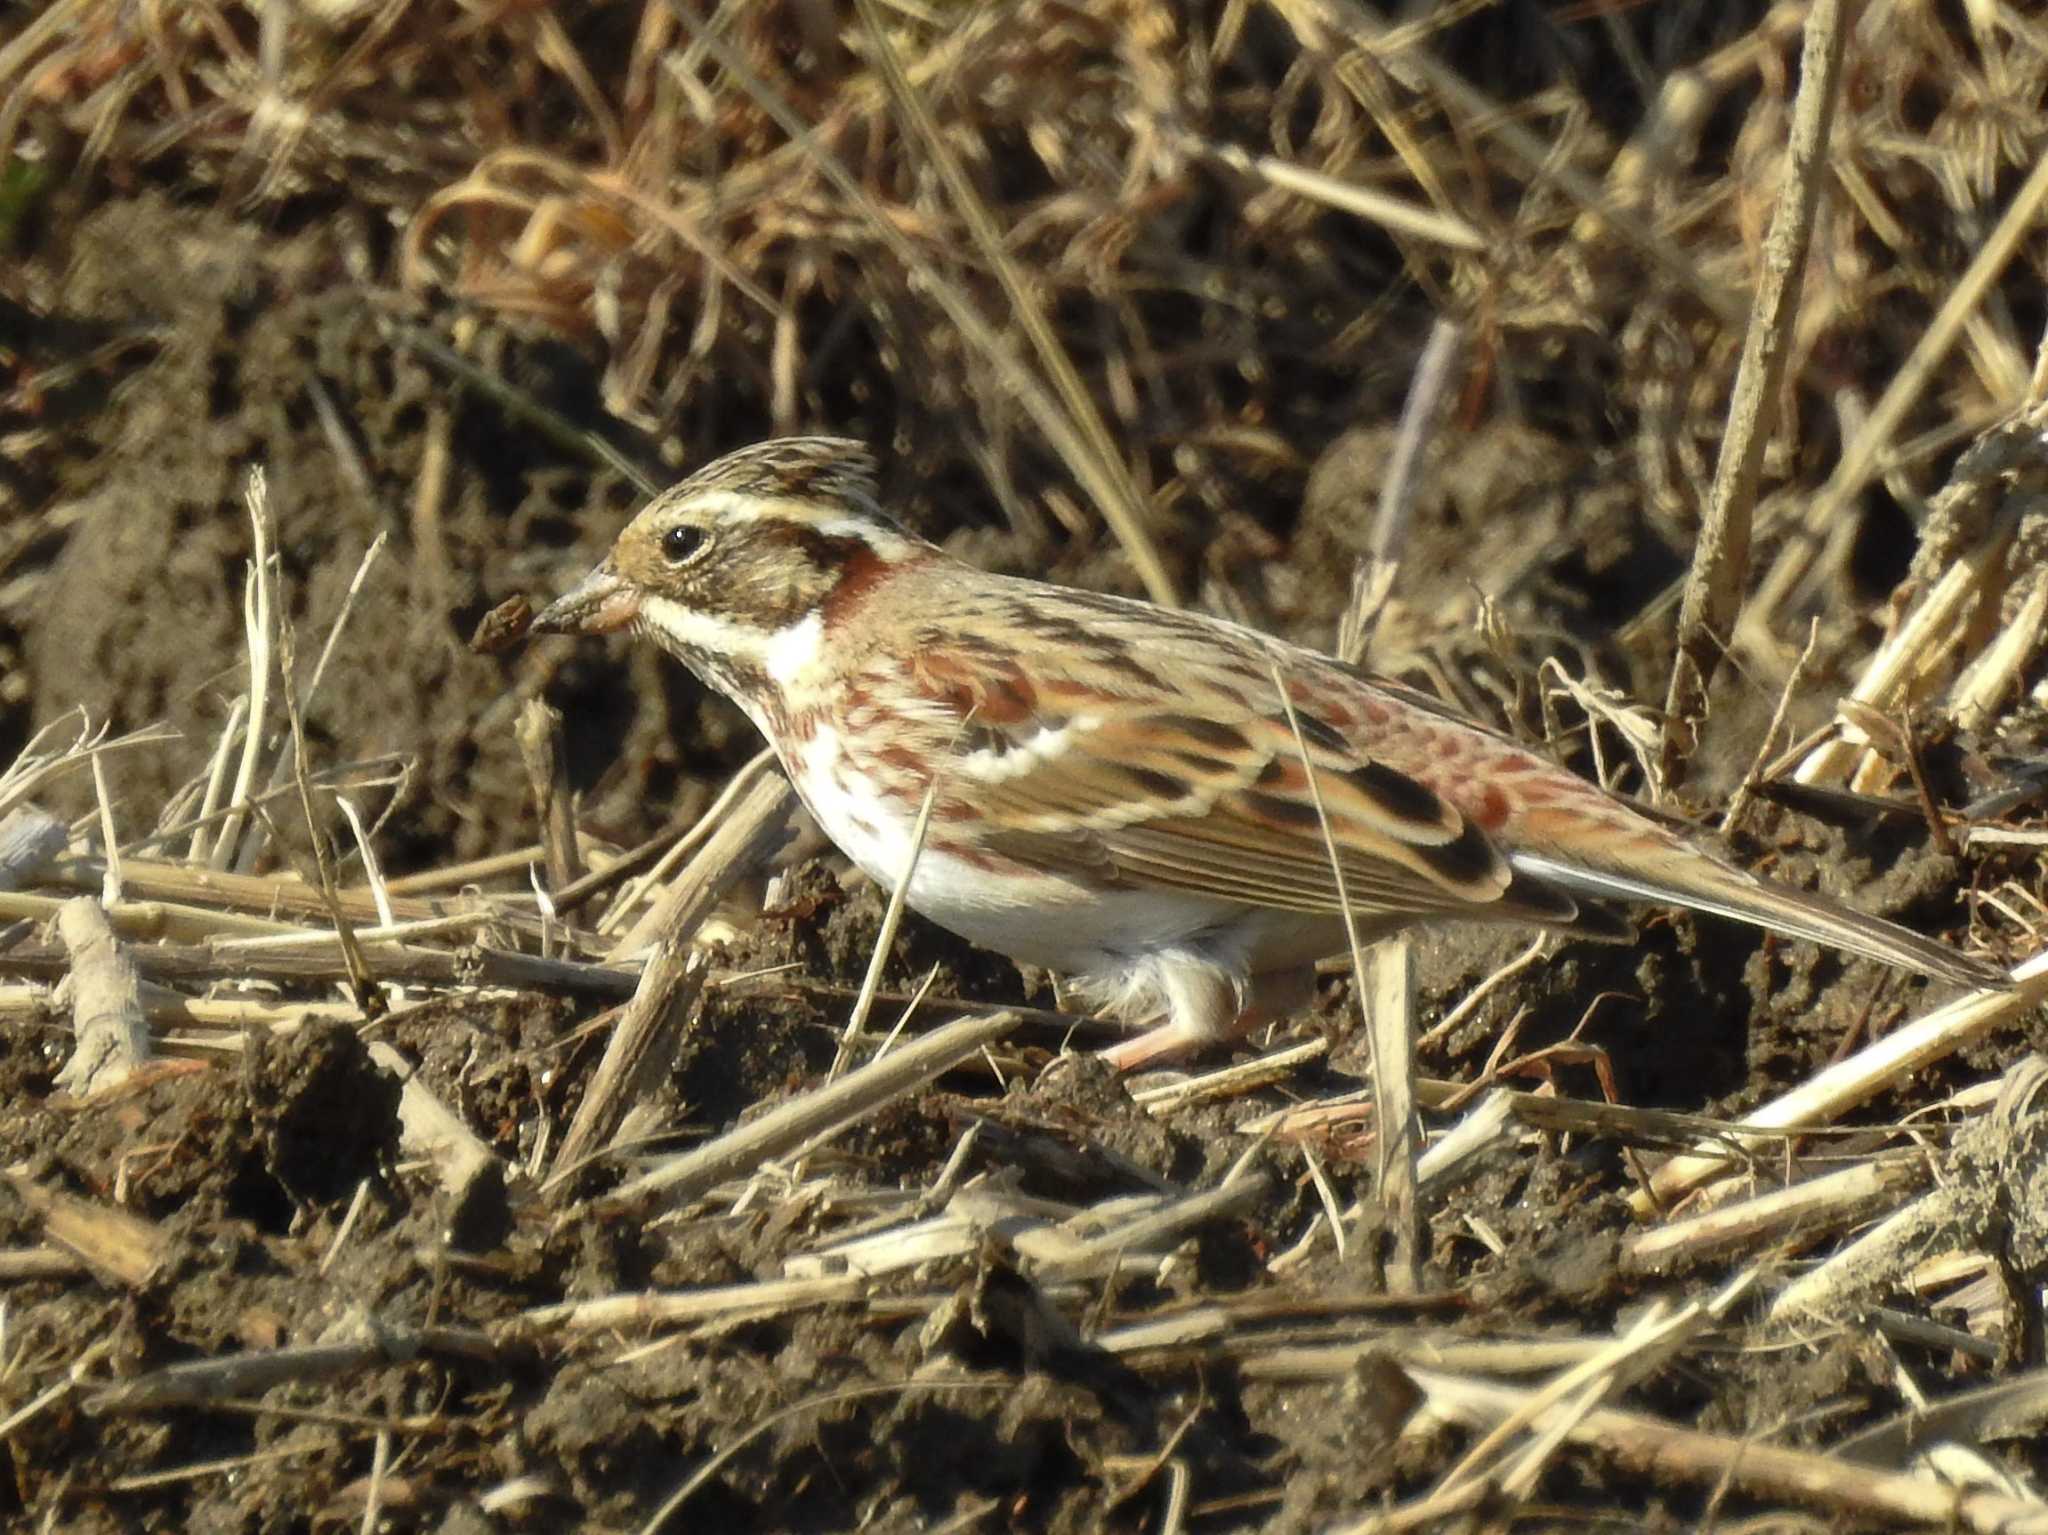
{"points": [[1206, 1006], [1201, 1007]]}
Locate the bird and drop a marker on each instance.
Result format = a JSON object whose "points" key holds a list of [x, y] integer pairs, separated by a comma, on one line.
{"points": [[1174, 811]]}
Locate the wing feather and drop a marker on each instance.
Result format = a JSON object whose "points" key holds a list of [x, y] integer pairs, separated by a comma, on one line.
{"points": [[1174, 801], [1148, 749]]}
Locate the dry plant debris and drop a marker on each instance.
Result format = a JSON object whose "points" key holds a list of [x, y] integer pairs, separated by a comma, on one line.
{"points": [[382, 1154]]}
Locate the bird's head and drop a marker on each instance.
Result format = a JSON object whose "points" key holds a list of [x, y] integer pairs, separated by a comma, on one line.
{"points": [[741, 570]]}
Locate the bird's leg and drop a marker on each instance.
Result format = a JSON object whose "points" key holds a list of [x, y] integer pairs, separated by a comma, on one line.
{"points": [[1203, 1004]]}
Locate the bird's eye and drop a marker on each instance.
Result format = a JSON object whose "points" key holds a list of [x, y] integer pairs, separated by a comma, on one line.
{"points": [[680, 542]]}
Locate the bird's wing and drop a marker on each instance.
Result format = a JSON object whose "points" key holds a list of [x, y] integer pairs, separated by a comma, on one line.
{"points": [[1192, 775]]}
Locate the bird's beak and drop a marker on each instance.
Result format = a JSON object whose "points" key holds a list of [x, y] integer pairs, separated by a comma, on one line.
{"points": [[598, 604]]}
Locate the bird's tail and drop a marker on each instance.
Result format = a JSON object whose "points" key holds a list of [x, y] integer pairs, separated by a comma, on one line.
{"points": [[1710, 885]]}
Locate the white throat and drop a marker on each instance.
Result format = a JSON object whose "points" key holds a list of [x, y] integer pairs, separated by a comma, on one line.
{"points": [[793, 652], [785, 655]]}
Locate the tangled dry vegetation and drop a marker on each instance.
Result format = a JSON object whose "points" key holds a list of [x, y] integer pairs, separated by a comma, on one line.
{"points": [[411, 1126]]}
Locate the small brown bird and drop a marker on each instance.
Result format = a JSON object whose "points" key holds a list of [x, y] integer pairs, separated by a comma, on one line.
{"points": [[1119, 791]]}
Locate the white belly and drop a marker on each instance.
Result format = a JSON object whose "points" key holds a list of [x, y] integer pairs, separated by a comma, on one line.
{"points": [[1032, 915]]}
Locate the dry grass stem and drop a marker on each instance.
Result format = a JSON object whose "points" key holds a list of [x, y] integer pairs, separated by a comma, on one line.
{"points": [[1129, 1233], [1092, 451], [319, 959], [768, 1298], [474, 871], [1469, 1003], [428, 1128], [32, 1263], [1861, 456], [155, 920], [259, 617], [383, 772], [1392, 1020], [1623, 1123], [281, 896], [1229, 1081], [1849, 1083], [1236, 1335], [110, 882], [119, 1247], [1720, 561], [1924, 643], [885, 935], [110, 1031], [1360, 202], [1056, 1244], [756, 825], [1372, 582], [1645, 1348], [251, 1374], [41, 763], [953, 1234], [200, 848], [539, 733], [1839, 1488], [663, 855], [792, 1124], [1987, 1184], [373, 872], [1488, 1128], [281, 772], [303, 940], [1759, 771], [641, 1050], [1996, 673], [1806, 1212], [1389, 1020]]}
